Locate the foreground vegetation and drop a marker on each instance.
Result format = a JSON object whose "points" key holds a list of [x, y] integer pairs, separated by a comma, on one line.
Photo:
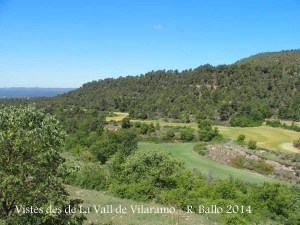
{"points": [[31, 169], [151, 174], [92, 197]]}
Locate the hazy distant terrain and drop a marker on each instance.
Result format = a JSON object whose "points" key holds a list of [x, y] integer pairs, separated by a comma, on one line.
{"points": [[23, 92]]}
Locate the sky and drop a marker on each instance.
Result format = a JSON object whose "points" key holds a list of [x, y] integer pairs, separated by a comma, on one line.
{"points": [[65, 43]]}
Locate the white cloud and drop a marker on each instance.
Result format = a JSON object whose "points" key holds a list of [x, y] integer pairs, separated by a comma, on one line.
{"points": [[158, 26]]}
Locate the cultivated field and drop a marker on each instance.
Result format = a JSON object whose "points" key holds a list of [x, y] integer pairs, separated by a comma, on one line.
{"points": [[193, 160], [118, 116], [267, 137]]}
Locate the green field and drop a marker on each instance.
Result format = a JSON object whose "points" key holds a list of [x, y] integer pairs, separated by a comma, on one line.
{"points": [[193, 160], [267, 137], [91, 197]]}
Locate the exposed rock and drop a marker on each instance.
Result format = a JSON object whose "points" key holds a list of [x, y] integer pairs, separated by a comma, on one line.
{"points": [[278, 166], [226, 152]]}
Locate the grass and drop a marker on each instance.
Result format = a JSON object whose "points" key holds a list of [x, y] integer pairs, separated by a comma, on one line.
{"points": [[163, 123], [91, 197], [193, 160], [118, 116], [266, 137]]}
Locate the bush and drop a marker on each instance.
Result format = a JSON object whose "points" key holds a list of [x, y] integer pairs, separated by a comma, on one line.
{"points": [[89, 176], [31, 168], [144, 128], [144, 174], [238, 162], [187, 134], [201, 148], [87, 156], [259, 166], [123, 141], [252, 145], [206, 131], [297, 143], [142, 116], [169, 136], [241, 139], [126, 123], [244, 121], [235, 219], [273, 123]]}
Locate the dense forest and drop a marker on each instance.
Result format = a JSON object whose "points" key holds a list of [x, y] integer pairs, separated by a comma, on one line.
{"points": [[261, 86]]}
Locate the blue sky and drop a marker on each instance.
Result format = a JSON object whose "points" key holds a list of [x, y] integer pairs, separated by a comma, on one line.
{"points": [[65, 43]]}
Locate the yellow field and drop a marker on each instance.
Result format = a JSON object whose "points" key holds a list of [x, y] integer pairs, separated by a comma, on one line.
{"points": [[119, 116], [266, 137]]}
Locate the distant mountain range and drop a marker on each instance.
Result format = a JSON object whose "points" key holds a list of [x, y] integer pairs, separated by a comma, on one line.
{"points": [[24, 92]]}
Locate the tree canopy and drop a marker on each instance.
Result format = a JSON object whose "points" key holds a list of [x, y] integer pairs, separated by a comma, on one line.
{"points": [[31, 170]]}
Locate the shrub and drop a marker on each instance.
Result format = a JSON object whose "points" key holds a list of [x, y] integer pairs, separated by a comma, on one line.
{"points": [[126, 123], [90, 176], [201, 148], [252, 145], [123, 141], [187, 134], [206, 131], [273, 123], [238, 161], [244, 121], [144, 174], [241, 139], [87, 156], [235, 219], [31, 168], [142, 116], [170, 134], [144, 128], [259, 166], [297, 143]]}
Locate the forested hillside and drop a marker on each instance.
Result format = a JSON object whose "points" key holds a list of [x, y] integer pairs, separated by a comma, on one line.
{"points": [[263, 85], [288, 58], [257, 87]]}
